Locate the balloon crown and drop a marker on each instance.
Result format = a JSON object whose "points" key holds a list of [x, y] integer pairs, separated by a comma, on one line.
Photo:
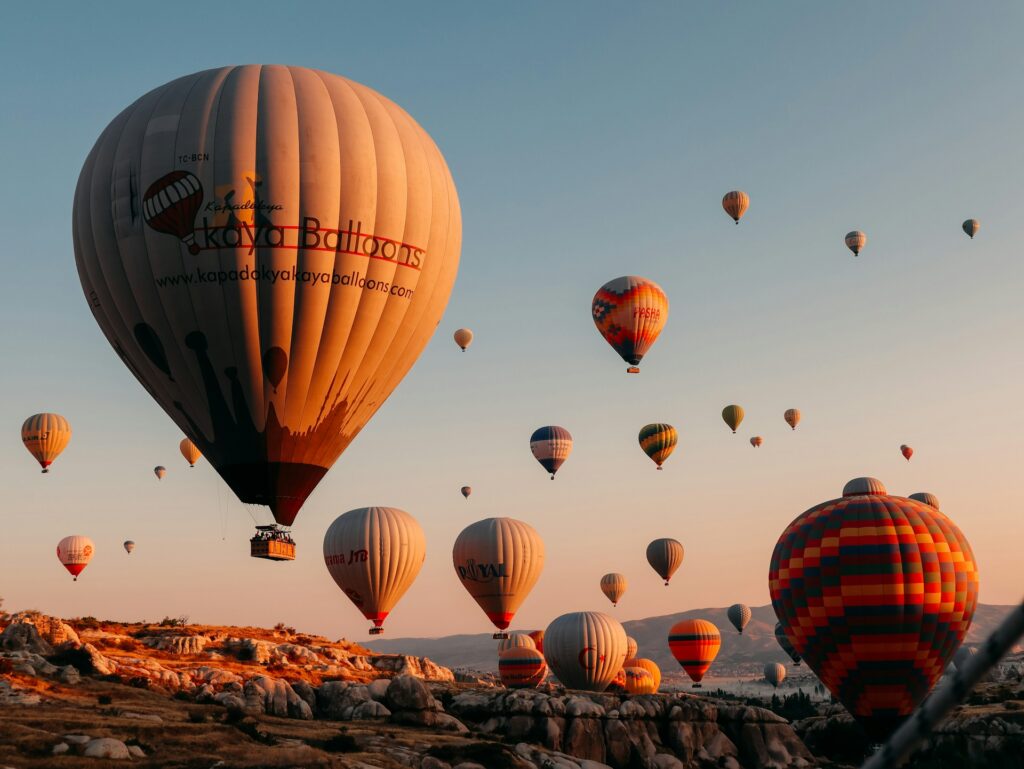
{"points": [[862, 486]]}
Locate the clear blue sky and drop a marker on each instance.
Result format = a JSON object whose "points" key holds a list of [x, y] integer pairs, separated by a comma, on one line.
{"points": [[587, 140]]}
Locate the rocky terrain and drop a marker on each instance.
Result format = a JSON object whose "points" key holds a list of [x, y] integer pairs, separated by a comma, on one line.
{"points": [[81, 693]]}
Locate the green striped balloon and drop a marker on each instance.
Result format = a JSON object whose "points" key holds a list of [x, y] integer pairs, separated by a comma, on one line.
{"points": [[658, 441]]}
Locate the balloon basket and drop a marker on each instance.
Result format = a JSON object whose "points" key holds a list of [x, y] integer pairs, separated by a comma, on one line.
{"points": [[376, 631], [272, 543], [697, 686], [633, 370], [502, 635]]}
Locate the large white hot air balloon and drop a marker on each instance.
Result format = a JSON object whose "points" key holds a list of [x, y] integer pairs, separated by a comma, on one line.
{"points": [[268, 249], [74, 553], [498, 561], [585, 649], [374, 555]]}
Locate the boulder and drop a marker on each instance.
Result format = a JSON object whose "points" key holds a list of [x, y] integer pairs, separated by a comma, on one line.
{"points": [[69, 675], [421, 667], [106, 747], [370, 711], [378, 689], [23, 636], [408, 692], [98, 662], [51, 630], [275, 697], [336, 700], [177, 644]]}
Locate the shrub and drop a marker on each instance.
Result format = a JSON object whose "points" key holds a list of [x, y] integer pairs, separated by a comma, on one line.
{"points": [[181, 621]]}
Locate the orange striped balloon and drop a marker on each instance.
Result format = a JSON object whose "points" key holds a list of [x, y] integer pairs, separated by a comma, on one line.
{"points": [[45, 436], [735, 204], [630, 313], [650, 666], [522, 667], [639, 681], [695, 644]]}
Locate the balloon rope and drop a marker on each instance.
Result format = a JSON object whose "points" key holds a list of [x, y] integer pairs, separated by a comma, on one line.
{"points": [[931, 712]]}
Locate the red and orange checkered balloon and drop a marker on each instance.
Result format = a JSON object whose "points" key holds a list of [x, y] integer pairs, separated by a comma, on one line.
{"points": [[876, 592], [630, 313]]}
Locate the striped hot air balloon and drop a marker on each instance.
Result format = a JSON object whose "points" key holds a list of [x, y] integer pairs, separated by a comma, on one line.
{"points": [[906, 451], [739, 615], [733, 415], [926, 497], [522, 667], [658, 441], [971, 227], [774, 673], [649, 665], [618, 683], [665, 556], [632, 647], [45, 436], [189, 450], [463, 338], [374, 555], [792, 417], [855, 241], [551, 446], [585, 649], [639, 680], [756, 441], [735, 204], [876, 592], [785, 644], [630, 313], [516, 641], [498, 561], [613, 586], [74, 553], [695, 644]]}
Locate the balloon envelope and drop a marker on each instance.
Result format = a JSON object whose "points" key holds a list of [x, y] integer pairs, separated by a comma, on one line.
{"points": [[774, 673], [733, 416], [971, 227], [630, 313], [739, 615], [75, 552], [632, 647], [374, 555], [129, 546], [735, 204], [658, 441], [159, 471], [665, 556], [855, 241], [786, 644], [613, 586], [190, 451], [694, 643], [521, 667], [463, 338], [498, 561], [585, 649], [466, 491], [792, 417], [268, 249], [906, 451], [876, 592], [538, 639], [649, 665], [639, 680], [927, 498], [516, 641], [45, 436], [756, 441], [551, 446]]}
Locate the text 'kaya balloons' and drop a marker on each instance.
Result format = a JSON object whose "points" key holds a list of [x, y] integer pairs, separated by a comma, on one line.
{"points": [[268, 249], [75, 552], [45, 436], [658, 441], [630, 313], [876, 592], [585, 649], [374, 555], [498, 561]]}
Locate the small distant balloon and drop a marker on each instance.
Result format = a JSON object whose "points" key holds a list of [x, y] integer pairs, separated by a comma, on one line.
{"points": [[45, 436], [463, 338], [787, 646], [630, 313], [129, 546], [792, 417], [855, 241], [927, 498], [189, 450], [466, 491], [632, 647], [665, 556], [74, 553], [971, 227], [756, 441], [739, 615], [551, 446], [906, 451], [774, 673], [735, 204], [159, 471], [733, 416], [658, 441], [613, 586]]}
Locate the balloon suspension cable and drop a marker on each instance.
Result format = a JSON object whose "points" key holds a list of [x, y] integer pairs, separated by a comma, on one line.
{"points": [[938, 705]]}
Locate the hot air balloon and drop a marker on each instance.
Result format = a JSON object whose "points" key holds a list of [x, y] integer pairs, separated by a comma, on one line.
{"points": [[631, 647], [639, 681], [774, 673], [75, 552], [189, 450], [963, 654], [522, 667], [618, 683], [551, 446], [613, 586], [695, 644], [739, 615], [665, 556], [658, 441], [498, 561], [463, 338], [45, 436], [585, 649], [374, 555], [735, 204], [516, 641], [630, 313], [927, 498], [876, 592], [733, 415], [906, 451], [756, 441], [649, 665], [159, 471], [780, 636], [538, 639], [268, 249], [466, 491], [855, 241], [792, 417], [971, 227], [129, 546]]}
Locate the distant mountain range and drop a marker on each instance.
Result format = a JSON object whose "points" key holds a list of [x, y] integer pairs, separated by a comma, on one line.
{"points": [[747, 652]]}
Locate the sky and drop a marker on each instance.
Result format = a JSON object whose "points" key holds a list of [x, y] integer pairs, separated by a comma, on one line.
{"points": [[587, 140]]}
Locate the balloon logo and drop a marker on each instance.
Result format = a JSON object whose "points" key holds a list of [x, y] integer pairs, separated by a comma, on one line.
{"points": [[170, 206]]}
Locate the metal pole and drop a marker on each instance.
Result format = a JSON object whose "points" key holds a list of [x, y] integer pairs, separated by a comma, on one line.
{"points": [[930, 712]]}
